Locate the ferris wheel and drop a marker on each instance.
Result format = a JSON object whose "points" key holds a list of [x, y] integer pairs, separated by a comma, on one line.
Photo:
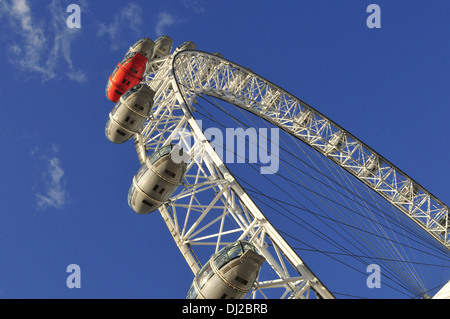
{"points": [[207, 208]]}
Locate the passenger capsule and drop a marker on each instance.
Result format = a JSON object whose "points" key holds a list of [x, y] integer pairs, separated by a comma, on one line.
{"points": [[303, 119], [336, 142], [408, 191], [157, 179], [144, 46], [163, 46], [187, 45], [206, 68], [130, 71], [229, 274], [129, 114], [371, 167]]}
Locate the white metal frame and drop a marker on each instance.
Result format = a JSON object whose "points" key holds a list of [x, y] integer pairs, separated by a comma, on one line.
{"points": [[212, 209]]}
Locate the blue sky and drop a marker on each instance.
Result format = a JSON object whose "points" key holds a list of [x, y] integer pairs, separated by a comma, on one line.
{"points": [[64, 185]]}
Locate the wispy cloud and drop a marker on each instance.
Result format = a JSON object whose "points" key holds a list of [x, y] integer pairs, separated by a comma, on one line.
{"points": [[164, 20], [127, 19], [62, 42], [38, 46], [195, 6], [29, 40], [131, 18], [53, 183]]}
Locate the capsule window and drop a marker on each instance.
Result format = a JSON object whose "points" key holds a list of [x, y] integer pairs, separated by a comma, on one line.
{"points": [[141, 172], [130, 194], [241, 280], [203, 276], [118, 92], [131, 91], [155, 188], [126, 58], [248, 246], [171, 174], [162, 190], [138, 107], [234, 251], [144, 201], [153, 158], [138, 42], [128, 120], [192, 293], [221, 259], [165, 150], [121, 132]]}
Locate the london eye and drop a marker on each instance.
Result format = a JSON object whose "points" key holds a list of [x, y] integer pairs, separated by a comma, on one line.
{"points": [[253, 183]]}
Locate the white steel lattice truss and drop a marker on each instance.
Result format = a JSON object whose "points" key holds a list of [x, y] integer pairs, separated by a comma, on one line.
{"points": [[213, 209]]}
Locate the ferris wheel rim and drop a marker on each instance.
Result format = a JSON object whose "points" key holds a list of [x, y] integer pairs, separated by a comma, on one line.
{"points": [[307, 105], [173, 59], [445, 242]]}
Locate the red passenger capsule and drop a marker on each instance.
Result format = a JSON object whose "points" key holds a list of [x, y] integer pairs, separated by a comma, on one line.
{"points": [[127, 74], [130, 71]]}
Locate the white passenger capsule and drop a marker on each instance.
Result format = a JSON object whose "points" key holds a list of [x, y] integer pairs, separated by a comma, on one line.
{"points": [[371, 166], [187, 45], [163, 46], [229, 274], [206, 68], [303, 119], [144, 46], [157, 179], [129, 113], [336, 142]]}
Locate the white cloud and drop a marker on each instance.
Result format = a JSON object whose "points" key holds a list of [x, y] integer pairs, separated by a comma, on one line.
{"points": [[164, 20], [52, 183], [39, 46], [29, 41], [21, 6], [77, 76], [129, 18], [194, 5], [55, 194], [62, 43]]}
